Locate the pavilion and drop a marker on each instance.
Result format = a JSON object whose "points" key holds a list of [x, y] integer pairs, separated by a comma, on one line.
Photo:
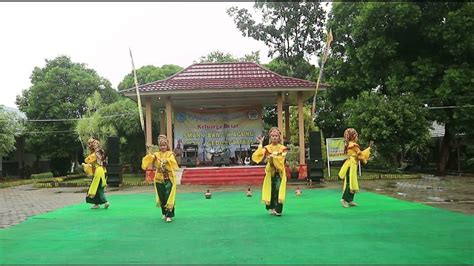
{"points": [[224, 85]]}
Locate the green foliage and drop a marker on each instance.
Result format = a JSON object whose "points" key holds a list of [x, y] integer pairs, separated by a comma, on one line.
{"points": [[422, 48], [301, 69], [293, 157], [397, 124], [269, 117], [10, 126], [329, 117], [92, 124], [147, 74], [308, 124], [128, 128], [116, 119], [469, 156], [42, 175], [291, 30], [221, 57], [120, 118], [59, 91]]}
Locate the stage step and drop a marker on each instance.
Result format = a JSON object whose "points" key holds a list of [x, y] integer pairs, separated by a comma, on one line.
{"points": [[252, 175]]}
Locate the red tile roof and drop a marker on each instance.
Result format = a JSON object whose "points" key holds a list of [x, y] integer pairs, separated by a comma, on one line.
{"points": [[242, 75]]}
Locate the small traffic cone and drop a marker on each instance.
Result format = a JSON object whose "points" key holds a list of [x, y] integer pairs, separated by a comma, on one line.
{"points": [[298, 191], [207, 194], [249, 193]]}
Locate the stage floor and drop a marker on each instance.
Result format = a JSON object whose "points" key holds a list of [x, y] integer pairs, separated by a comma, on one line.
{"points": [[231, 228], [222, 167]]}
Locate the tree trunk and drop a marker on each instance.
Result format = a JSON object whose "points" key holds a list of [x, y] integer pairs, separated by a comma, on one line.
{"points": [[444, 152], [20, 143], [402, 157]]}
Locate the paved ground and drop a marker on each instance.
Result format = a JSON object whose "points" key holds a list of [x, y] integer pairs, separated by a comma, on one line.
{"points": [[453, 193]]}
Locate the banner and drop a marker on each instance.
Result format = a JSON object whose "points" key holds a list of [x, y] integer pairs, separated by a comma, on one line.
{"points": [[218, 129], [335, 149]]}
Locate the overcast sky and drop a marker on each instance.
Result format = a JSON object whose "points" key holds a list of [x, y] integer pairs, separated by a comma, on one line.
{"points": [[99, 35]]}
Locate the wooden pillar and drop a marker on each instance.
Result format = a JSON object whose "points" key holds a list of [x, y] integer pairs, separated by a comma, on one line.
{"points": [[162, 122], [280, 111], [148, 123], [169, 122], [301, 127], [287, 123]]}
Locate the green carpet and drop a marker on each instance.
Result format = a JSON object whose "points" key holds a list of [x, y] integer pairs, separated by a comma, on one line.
{"points": [[231, 228]]}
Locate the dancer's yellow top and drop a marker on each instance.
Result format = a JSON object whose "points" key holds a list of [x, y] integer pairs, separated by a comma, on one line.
{"points": [[275, 154], [351, 164]]}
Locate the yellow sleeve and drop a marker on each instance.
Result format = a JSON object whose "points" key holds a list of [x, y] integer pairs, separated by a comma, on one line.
{"points": [[364, 155], [88, 169], [91, 158], [147, 161], [171, 161], [283, 150], [259, 154]]}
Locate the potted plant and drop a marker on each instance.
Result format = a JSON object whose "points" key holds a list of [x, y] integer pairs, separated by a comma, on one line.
{"points": [[292, 160]]}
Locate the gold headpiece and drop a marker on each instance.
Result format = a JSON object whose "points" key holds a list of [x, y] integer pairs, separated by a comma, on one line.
{"points": [[350, 134], [163, 139]]}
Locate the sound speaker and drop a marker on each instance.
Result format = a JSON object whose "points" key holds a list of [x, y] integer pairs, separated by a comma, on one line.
{"points": [[188, 161], [190, 151], [114, 168], [114, 175], [220, 160], [113, 150], [190, 147], [315, 162], [190, 154], [315, 145], [315, 171], [240, 153]]}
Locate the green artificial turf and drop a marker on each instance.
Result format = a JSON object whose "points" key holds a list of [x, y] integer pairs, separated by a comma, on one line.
{"points": [[231, 228]]}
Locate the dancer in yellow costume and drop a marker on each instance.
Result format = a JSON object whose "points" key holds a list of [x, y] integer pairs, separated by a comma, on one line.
{"points": [[165, 177], [274, 183], [349, 169], [95, 165]]}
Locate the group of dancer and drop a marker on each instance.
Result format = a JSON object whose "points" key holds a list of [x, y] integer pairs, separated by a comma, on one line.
{"points": [[274, 182]]}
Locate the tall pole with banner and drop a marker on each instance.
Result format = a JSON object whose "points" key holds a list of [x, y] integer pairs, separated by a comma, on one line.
{"points": [[323, 61], [139, 100]]}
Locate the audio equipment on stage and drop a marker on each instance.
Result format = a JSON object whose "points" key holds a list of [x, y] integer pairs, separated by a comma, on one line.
{"points": [[315, 162]]}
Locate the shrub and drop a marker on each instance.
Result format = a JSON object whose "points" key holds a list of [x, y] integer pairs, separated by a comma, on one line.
{"points": [[42, 175], [292, 157]]}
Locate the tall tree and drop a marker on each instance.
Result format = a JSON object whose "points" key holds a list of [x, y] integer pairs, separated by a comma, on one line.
{"points": [[10, 127], [91, 124], [116, 119], [147, 74], [396, 124], [294, 126], [303, 70], [221, 57], [293, 31], [128, 128], [289, 29], [426, 49], [56, 97]]}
